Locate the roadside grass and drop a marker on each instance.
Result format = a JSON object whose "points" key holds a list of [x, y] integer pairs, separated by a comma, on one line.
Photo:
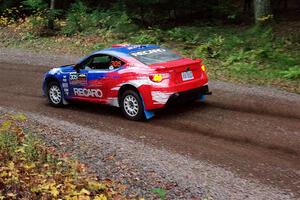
{"points": [[248, 55], [161, 192], [29, 169]]}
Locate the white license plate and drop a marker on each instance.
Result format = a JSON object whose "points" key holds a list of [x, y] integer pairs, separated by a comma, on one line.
{"points": [[188, 75]]}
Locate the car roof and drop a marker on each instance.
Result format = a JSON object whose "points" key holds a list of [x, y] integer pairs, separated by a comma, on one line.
{"points": [[122, 50], [127, 48]]}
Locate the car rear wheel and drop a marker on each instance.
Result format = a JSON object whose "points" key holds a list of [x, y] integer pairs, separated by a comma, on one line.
{"points": [[132, 105], [54, 94]]}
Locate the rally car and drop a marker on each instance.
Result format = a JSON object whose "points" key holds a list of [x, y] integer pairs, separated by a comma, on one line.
{"points": [[137, 78]]}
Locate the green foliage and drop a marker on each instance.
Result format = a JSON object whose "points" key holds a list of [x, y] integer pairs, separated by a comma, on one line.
{"points": [[115, 20], [40, 22], [161, 192], [36, 25], [35, 5], [30, 148], [80, 18], [212, 48], [144, 39], [251, 53], [8, 141], [292, 72], [150, 36], [168, 12], [184, 34], [148, 12], [76, 20]]}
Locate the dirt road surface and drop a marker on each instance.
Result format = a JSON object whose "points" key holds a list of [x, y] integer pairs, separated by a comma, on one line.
{"points": [[253, 132]]}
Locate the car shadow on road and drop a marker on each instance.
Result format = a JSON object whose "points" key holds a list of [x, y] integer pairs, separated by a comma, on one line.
{"points": [[174, 110], [169, 111]]}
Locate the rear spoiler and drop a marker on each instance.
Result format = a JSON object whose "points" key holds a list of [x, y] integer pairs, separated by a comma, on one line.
{"points": [[162, 66], [119, 45]]}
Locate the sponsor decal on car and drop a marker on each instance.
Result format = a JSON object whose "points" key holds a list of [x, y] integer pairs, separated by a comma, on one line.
{"points": [[146, 52], [134, 47], [78, 79], [84, 92], [73, 76], [66, 91], [65, 85]]}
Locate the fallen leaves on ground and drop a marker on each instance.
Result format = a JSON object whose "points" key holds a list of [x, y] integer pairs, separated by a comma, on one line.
{"points": [[31, 170]]}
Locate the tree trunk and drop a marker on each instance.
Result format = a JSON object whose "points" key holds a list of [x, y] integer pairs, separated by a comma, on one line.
{"points": [[262, 11], [51, 19], [247, 6], [52, 4]]}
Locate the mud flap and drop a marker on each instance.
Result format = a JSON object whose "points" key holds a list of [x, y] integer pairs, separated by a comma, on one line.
{"points": [[65, 102], [148, 114]]}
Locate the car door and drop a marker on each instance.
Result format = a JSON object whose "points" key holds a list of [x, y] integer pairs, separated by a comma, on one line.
{"points": [[102, 75], [78, 81]]}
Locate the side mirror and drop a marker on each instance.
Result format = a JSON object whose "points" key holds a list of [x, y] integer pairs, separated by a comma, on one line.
{"points": [[77, 68]]}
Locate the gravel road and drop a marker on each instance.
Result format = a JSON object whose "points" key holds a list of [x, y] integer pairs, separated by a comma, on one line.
{"points": [[243, 143]]}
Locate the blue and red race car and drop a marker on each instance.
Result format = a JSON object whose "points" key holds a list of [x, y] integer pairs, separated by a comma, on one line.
{"points": [[137, 78]]}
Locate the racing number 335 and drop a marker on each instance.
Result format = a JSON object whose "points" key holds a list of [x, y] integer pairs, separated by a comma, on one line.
{"points": [[137, 78]]}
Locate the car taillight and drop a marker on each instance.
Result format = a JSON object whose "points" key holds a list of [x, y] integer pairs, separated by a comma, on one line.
{"points": [[159, 77], [203, 68]]}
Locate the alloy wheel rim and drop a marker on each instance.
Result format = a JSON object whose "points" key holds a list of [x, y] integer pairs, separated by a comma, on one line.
{"points": [[131, 105], [55, 94]]}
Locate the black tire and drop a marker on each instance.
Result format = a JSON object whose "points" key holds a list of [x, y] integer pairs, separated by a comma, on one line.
{"points": [[56, 99], [129, 110]]}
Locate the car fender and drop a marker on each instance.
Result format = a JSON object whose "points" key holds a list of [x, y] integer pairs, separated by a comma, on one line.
{"points": [[143, 94], [53, 77]]}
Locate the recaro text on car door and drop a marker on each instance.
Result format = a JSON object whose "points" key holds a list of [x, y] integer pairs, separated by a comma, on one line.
{"points": [[102, 76], [78, 80]]}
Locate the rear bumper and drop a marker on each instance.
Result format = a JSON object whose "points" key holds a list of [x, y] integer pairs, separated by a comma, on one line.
{"points": [[155, 99], [189, 95]]}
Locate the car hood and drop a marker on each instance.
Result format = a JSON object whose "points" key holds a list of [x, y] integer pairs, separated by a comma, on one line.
{"points": [[65, 68]]}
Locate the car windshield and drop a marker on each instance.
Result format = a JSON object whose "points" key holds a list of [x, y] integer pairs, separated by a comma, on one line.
{"points": [[154, 56]]}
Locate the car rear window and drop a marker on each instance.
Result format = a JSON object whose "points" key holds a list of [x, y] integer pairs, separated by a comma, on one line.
{"points": [[154, 56]]}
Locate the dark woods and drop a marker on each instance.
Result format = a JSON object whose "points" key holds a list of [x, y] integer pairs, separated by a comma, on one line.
{"points": [[176, 12]]}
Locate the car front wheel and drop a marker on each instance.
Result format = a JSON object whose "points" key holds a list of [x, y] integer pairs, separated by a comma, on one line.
{"points": [[132, 106], [54, 92]]}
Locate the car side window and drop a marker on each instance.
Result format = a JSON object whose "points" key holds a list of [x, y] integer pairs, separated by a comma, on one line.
{"points": [[100, 62], [105, 62], [116, 63], [85, 63], [101, 59]]}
